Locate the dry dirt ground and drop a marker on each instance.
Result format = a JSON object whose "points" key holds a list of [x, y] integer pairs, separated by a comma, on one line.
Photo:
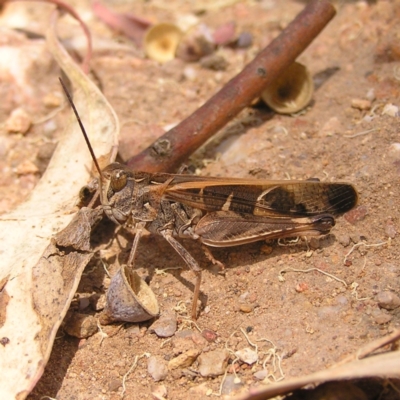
{"points": [[308, 320]]}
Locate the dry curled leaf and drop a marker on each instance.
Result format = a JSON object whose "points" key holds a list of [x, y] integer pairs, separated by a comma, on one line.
{"points": [[40, 278]]}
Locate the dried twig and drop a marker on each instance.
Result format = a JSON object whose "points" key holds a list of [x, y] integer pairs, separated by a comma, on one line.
{"points": [[171, 149]]}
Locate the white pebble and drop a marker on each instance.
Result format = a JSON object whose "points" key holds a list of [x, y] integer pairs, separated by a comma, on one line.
{"points": [[391, 110], [247, 355]]}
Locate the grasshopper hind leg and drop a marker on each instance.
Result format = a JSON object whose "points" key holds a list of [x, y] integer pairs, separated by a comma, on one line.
{"points": [[190, 261]]}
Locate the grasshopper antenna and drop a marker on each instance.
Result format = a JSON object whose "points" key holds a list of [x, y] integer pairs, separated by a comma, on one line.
{"points": [[81, 126]]}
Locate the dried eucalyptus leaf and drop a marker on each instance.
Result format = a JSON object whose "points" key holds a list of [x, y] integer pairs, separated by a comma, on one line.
{"points": [[39, 278]]}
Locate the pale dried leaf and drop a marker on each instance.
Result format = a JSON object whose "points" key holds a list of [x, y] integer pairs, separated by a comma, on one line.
{"points": [[39, 280], [383, 366]]}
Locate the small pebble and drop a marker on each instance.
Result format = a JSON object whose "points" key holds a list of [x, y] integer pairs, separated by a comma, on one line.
{"points": [[190, 73], [394, 150], [209, 335], [198, 339], [247, 355], [244, 40], [344, 240], [52, 100], [388, 300], [83, 303], [355, 238], [314, 243], [361, 104], [213, 363], [159, 392], [224, 34], [27, 167], [184, 360], [260, 375], [18, 122], [157, 368], [357, 214], [98, 301], [371, 95], [331, 127], [380, 317], [391, 110], [165, 326], [231, 383], [114, 385], [215, 62], [390, 230], [80, 325], [246, 308], [301, 287]]}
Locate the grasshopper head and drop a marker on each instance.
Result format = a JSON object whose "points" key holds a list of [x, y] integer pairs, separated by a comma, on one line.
{"points": [[117, 183]]}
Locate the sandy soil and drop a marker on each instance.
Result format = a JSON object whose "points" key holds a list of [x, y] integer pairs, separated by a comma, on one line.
{"points": [[350, 133]]}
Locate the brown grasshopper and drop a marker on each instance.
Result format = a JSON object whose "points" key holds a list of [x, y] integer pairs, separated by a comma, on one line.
{"points": [[218, 212]]}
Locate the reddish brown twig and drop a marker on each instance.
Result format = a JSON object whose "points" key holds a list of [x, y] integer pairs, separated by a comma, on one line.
{"points": [[171, 149]]}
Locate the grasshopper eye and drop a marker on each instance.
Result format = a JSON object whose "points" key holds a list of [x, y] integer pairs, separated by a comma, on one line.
{"points": [[118, 181]]}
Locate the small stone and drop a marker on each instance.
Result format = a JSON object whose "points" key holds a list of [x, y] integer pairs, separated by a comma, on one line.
{"points": [[247, 355], [331, 127], [114, 385], [301, 287], [190, 73], [261, 375], [213, 363], [244, 40], [391, 110], [80, 325], [98, 301], [371, 95], [357, 214], [394, 150], [83, 303], [184, 360], [157, 368], [390, 230], [52, 100], [344, 240], [224, 34], [388, 300], [198, 339], [361, 104], [165, 326], [380, 317], [231, 383], [18, 122], [355, 238], [314, 243], [159, 392], [27, 167], [215, 62], [246, 308], [209, 335]]}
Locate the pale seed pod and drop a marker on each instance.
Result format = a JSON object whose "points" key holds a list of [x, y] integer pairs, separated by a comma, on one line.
{"points": [[291, 92], [161, 41], [129, 299]]}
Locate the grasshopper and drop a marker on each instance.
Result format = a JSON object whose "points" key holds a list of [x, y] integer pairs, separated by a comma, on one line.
{"points": [[217, 212]]}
